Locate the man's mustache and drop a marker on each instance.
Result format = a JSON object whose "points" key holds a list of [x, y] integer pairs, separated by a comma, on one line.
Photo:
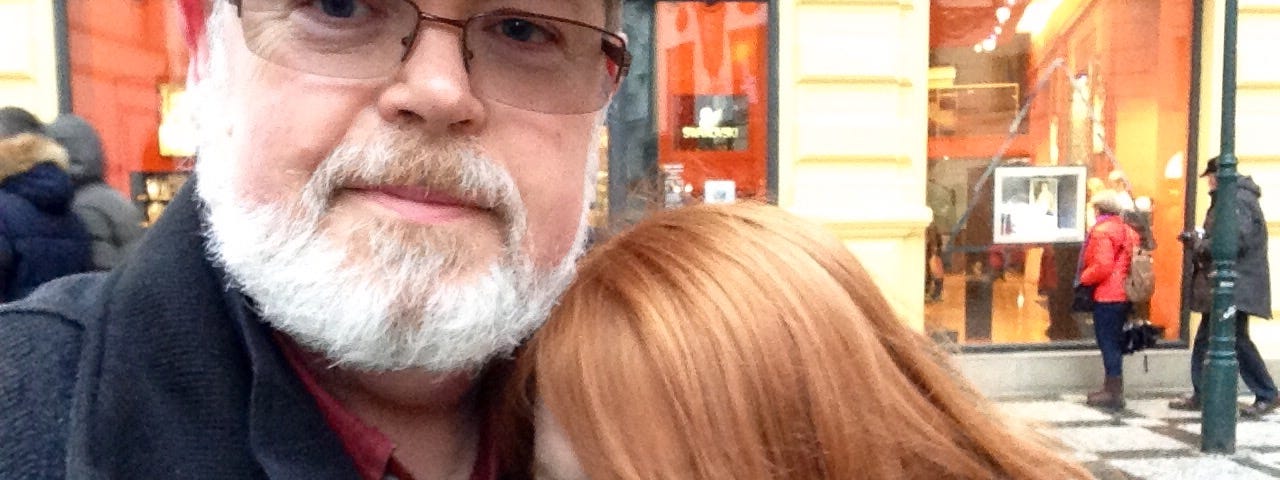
{"points": [[452, 168]]}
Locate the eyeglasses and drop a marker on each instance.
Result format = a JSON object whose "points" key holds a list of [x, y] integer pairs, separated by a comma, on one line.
{"points": [[525, 60]]}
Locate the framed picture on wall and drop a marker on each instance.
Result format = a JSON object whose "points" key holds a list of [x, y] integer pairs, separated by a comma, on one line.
{"points": [[1039, 205]]}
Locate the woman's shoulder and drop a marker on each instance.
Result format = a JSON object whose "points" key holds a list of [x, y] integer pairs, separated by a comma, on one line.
{"points": [[1111, 228]]}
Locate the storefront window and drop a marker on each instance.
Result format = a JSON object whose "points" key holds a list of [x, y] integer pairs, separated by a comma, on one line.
{"points": [[1033, 108], [707, 109], [711, 99], [128, 65]]}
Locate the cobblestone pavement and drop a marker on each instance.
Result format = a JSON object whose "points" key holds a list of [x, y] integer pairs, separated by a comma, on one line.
{"points": [[1147, 440]]}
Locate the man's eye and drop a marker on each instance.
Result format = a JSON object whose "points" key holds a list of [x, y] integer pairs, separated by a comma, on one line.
{"points": [[341, 8], [523, 30]]}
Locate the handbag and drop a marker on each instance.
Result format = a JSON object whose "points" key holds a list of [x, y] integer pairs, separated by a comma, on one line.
{"points": [[1082, 298], [1139, 335]]}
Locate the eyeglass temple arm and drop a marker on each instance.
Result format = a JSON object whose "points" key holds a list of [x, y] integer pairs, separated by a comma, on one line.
{"points": [[620, 54]]}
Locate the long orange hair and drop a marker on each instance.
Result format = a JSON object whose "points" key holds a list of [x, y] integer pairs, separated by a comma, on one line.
{"points": [[738, 341]]}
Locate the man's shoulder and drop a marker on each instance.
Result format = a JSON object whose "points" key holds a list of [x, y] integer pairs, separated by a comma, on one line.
{"points": [[49, 323], [54, 317], [74, 301], [42, 340]]}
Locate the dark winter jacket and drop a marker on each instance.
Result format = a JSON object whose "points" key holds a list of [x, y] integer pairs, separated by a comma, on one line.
{"points": [[1107, 254], [154, 370], [1253, 280], [40, 238], [114, 222]]}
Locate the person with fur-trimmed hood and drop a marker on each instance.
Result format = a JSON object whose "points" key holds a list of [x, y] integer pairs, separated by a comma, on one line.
{"points": [[40, 238]]}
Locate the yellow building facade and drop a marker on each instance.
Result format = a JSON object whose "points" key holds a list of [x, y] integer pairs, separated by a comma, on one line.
{"points": [[1257, 122], [28, 64], [852, 86]]}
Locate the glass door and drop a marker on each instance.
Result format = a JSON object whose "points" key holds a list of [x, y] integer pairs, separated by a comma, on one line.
{"points": [[712, 100]]}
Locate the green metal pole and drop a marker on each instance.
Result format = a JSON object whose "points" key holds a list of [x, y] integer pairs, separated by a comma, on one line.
{"points": [[1219, 403]]}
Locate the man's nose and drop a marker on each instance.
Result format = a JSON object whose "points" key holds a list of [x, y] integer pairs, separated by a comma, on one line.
{"points": [[432, 87]]}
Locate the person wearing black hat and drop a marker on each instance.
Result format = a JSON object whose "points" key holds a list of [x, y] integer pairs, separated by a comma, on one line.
{"points": [[1252, 293]]}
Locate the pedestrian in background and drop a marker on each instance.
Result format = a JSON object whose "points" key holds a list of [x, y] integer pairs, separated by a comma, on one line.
{"points": [[738, 341], [113, 221], [934, 270], [1140, 219], [40, 238], [1107, 253], [1252, 292]]}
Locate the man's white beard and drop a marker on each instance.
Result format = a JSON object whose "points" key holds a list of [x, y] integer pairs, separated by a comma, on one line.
{"points": [[383, 294]]}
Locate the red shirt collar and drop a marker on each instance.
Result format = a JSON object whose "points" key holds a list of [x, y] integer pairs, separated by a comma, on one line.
{"points": [[370, 450]]}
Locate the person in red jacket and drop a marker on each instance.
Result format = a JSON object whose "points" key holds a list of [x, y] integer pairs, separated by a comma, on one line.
{"points": [[1107, 252]]}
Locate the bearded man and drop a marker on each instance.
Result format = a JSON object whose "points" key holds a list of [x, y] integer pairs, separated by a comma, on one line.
{"points": [[389, 196]]}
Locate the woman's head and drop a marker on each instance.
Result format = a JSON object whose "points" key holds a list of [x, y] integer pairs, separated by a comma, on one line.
{"points": [[737, 341], [1106, 202]]}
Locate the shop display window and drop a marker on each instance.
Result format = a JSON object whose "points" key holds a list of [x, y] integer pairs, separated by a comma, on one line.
{"points": [[1034, 107]]}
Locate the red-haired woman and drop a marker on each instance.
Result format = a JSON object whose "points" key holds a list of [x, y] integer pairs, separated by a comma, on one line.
{"points": [[738, 341]]}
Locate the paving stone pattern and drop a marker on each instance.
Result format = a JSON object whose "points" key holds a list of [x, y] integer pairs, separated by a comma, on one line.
{"points": [[1149, 441]]}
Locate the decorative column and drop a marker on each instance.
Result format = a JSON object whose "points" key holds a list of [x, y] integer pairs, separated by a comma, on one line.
{"points": [[853, 80]]}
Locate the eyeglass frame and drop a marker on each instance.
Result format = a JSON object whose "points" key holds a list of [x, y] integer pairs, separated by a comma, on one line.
{"points": [[618, 54]]}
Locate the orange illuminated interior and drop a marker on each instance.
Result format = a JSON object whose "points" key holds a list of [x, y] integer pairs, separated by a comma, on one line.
{"points": [[711, 61], [1139, 54]]}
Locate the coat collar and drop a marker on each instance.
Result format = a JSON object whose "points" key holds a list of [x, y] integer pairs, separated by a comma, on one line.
{"points": [[191, 379]]}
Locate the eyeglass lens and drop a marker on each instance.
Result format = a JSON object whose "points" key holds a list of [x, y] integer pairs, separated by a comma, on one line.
{"points": [[517, 58]]}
